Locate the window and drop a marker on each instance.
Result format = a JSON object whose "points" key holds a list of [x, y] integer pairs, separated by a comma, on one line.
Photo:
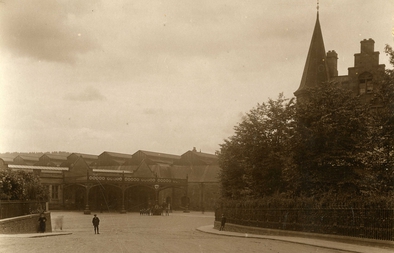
{"points": [[365, 83], [55, 192]]}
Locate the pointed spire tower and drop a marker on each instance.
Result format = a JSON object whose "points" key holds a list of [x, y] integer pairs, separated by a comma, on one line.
{"points": [[316, 68]]}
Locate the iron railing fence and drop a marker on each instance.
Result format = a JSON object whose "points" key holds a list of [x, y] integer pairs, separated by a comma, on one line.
{"points": [[14, 208], [355, 222]]}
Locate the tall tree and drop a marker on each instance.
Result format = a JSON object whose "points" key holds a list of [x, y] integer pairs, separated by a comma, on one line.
{"points": [[253, 159], [332, 129], [379, 158]]}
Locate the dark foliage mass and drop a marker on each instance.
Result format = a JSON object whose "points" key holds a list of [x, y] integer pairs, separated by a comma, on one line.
{"points": [[21, 185], [252, 160], [333, 146]]}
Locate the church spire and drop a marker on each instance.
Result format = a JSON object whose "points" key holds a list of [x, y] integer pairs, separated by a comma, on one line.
{"points": [[316, 69]]}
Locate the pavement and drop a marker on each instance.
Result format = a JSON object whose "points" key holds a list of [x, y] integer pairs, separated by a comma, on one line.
{"points": [[327, 244], [34, 235], [347, 247]]}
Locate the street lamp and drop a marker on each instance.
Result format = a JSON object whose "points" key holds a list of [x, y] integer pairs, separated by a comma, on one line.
{"points": [[157, 210]]}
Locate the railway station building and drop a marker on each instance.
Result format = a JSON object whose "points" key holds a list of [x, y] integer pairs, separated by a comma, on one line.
{"points": [[124, 182]]}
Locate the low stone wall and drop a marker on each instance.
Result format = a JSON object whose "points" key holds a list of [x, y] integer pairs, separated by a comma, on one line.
{"points": [[15, 208], [24, 224]]}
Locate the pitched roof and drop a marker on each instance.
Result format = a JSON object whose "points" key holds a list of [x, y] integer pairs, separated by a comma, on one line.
{"points": [[162, 170], [144, 170], [28, 158], [7, 160], [12, 156], [118, 155], [160, 155], [204, 155], [57, 156], [198, 158], [316, 68], [86, 156]]}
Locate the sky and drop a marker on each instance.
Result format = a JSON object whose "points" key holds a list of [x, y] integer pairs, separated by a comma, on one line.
{"points": [[164, 76]]}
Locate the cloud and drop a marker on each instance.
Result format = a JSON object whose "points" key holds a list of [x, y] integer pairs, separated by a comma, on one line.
{"points": [[44, 30], [162, 75], [88, 94]]}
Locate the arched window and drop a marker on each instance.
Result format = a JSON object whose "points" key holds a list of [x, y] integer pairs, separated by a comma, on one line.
{"points": [[365, 83]]}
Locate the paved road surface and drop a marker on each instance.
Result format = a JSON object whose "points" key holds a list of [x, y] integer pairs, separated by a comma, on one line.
{"points": [[147, 234]]}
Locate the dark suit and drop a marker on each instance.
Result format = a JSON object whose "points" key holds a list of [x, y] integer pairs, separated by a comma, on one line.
{"points": [[96, 222]]}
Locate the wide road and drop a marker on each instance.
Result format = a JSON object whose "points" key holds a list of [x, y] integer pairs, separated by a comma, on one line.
{"points": [[146, 234]]}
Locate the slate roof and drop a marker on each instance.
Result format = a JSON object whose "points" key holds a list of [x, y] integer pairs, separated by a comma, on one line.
{"points": [[28, 158], [159, 156], [316, 68], [86, 156], [118, 155], [192, 157], [7, 160], [57, 157]]}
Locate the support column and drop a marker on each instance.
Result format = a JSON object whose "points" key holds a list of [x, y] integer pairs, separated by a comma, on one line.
{"points": [[172, 198], [87, 209], [187, 195], [63, 201], [63, 186], [202, 198], [123, 210]]}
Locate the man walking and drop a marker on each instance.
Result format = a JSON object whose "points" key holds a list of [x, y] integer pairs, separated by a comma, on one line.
{"points": [[96, 222]]}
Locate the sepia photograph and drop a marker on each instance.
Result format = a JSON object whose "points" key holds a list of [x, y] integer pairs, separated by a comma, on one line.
{"points": [[197, 126]]}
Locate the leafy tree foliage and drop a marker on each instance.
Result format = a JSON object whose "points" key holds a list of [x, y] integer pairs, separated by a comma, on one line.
{"points": [[21, 185], [252, 160], [332, 128], [332, 146], [379, 158]]}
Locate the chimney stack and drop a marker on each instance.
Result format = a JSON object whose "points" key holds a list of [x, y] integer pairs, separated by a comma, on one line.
{"points": [[367, 46], [332, 63]]}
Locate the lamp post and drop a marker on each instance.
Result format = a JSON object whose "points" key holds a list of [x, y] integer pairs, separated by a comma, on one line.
{"points": [[156, 209], [157, 193]]}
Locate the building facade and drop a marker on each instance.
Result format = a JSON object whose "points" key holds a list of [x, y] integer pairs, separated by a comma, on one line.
{"points": [[124, 182], [321, 68]]}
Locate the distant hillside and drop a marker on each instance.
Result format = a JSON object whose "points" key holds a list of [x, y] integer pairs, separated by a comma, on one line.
{"points": [[37, 154]]}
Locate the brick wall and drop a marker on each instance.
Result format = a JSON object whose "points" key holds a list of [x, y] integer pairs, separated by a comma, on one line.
{"points": [[24, 224]]}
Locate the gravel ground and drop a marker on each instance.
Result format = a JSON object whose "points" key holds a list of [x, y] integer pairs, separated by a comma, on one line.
{"points": [[134, 233]]}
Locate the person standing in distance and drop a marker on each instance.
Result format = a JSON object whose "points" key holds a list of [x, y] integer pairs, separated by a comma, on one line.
{"points": [[96, 222], [42, 220], [222, 222]]}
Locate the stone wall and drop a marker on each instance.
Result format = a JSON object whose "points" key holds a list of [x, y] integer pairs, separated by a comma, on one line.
{"points": [[24, 224]]}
